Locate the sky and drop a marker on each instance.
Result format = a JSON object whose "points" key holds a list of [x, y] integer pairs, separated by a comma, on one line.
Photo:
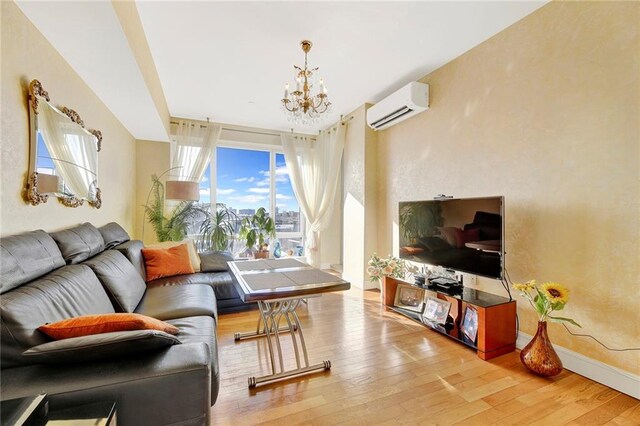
{"points": [[243, 180]]}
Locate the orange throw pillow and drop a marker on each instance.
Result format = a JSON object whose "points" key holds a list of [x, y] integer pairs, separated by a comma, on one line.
{"points": [[167, 262], [105, 323]]}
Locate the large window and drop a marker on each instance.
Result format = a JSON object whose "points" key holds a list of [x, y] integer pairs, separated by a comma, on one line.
{"points": [[245, 180]]}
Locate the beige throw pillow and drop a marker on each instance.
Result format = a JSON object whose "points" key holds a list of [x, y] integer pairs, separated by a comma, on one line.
{"points": [[194, 259]]}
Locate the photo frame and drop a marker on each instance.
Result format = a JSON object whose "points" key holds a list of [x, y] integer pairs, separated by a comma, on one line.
{"points": [[469, 325], [409, 297], [436, 310]]}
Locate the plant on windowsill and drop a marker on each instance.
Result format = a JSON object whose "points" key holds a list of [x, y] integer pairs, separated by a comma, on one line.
{"points": [[174, 226], [539, 356], [255, 230], [217, 230]]}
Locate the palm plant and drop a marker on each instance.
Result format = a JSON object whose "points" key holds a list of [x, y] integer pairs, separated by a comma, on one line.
{"points": [[256, 228], [172, 227], [217, 229]]}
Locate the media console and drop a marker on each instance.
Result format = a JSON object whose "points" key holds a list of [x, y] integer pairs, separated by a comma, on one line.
{"points": [[496, 317]]}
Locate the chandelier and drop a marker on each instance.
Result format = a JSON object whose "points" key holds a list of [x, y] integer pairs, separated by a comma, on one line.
{"points": [[301, 105]]}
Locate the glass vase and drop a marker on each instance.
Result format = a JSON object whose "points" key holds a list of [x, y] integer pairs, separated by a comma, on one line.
{"points": [[539, 356]]}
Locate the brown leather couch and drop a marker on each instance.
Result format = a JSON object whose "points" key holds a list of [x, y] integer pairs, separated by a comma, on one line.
{"points": [[46, 277]]}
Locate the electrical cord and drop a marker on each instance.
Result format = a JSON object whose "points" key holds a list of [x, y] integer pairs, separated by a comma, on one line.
{"points": [[567, 328], [602, 344]]}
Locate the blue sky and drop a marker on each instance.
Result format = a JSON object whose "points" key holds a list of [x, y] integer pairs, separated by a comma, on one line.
{"points": [[243, 180]]}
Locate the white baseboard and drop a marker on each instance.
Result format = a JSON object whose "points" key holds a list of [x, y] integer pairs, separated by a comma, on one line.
{"points": [[325, 266], [600, 372]]}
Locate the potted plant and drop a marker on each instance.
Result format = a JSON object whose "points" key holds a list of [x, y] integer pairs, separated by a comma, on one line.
{"points": [[174, 226], [217, 229], [255, 229], [539, 355]]}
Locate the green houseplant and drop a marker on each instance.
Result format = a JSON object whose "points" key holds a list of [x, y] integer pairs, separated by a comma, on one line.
{"points": [[174, 226], [255, 229], [217, 230]]}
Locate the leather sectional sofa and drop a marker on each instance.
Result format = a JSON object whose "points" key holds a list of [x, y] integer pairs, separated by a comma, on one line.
{"points": [[46, 278]]}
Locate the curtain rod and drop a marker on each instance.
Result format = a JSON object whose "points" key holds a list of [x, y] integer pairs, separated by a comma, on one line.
{"points": [[342, 121]]}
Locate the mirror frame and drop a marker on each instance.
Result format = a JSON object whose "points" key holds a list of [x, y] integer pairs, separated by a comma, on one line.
{"points": [[37, 94]]}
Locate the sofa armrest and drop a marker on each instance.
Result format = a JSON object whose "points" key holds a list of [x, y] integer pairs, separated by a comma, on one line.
{"points": [[165, 387]]}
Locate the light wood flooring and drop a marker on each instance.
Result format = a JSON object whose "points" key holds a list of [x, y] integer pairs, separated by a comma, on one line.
{"points": [[389, 369]]}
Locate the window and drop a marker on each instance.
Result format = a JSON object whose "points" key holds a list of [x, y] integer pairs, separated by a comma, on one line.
{"points": [[287, 210], [245, 180]]}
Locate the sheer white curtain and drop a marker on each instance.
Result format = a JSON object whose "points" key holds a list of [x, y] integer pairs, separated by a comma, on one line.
{"points": [[73, 150], [314, 168], [192, 149]]}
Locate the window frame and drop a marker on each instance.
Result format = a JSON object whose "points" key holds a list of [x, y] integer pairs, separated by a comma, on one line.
{"points": [[273, 150]]}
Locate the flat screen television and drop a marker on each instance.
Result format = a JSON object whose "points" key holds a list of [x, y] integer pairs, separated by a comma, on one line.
{"points": [[463, 234]]}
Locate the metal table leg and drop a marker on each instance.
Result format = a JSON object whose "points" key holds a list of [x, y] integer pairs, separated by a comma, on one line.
{"points": [[271, 313]]}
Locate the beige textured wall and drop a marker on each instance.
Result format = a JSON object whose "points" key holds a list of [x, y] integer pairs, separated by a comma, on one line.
{"points": [[547, 114], [360, 199], [27, 55], [152, 158]]}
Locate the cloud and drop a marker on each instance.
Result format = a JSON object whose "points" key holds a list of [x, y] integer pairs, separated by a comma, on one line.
{"points": [[283, 197], [282, 170], [248, 198], [245, 179], [258, 190], [263, 182], [282, 176], [205, 191], [225, 191]]}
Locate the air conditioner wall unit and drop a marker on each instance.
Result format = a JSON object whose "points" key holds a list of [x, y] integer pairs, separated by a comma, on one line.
{"points": [[400, 105]]}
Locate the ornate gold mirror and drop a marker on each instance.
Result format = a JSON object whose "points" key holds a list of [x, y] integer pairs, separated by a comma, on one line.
{"points": [[63, 154]]}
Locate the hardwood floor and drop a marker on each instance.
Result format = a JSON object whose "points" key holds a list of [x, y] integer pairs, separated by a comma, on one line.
{"points": [[389, 369]]}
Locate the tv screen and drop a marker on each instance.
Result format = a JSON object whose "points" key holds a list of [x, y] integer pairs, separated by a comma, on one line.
{"points": [[464, 234]]}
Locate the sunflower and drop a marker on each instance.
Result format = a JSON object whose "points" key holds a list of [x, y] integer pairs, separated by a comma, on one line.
{"points": [[555, 293], [529, 285]]}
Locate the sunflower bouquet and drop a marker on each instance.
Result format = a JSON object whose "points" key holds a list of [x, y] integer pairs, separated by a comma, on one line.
{"points": [[545, 299]]}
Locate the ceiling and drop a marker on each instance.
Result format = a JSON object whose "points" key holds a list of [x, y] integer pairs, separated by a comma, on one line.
{"points": [[230, 60]]}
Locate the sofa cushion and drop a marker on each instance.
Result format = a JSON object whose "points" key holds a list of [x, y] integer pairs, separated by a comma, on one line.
{"points": [[194, 259], [67, 292], [174, 302], [123, 283], [100, 346], [165, 262], [221, 283], [87, 325], [215, 261], [132, 250], [170, 386], [113, 234], [26, 257], [196, 330], [79, 243]]}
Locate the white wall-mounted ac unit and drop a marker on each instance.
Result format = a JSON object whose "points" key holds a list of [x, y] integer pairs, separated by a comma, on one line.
{"points": [[406, 102]]}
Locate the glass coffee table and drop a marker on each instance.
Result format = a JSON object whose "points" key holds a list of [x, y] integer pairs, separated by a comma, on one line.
{"points": [[279, 286]]}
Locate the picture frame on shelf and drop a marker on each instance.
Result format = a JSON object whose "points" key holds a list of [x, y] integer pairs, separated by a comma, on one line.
{"points": [[436, 310], [409, 297], [469, 325]]}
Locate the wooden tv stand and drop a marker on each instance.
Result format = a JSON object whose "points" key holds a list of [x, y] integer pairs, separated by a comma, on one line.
{"points": [[496, 317]]}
